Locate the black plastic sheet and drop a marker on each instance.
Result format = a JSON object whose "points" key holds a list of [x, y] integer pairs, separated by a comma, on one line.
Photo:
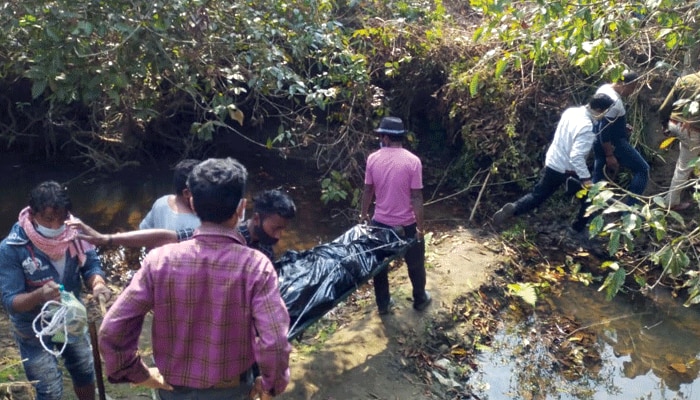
{"points": [[314, 281]]}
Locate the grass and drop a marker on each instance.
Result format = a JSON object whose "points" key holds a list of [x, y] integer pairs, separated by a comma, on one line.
{"points": [[318, 333]]}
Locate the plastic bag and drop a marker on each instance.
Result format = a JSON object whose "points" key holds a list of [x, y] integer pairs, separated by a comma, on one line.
{"points": [[75, 319], [314, 281], [65, 321]]}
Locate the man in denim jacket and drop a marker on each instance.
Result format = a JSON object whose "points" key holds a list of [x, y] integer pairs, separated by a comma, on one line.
{"points": [[39, 254]]}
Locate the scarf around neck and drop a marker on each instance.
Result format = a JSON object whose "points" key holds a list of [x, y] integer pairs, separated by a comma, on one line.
{"points": [[56, 247]]}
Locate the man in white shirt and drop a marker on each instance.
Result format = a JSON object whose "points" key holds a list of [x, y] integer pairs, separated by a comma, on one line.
{"points": [[566, 157], [173, 211]]}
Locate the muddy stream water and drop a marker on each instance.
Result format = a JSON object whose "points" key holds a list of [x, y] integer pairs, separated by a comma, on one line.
{"points": [[648, 349], [645, 348]]}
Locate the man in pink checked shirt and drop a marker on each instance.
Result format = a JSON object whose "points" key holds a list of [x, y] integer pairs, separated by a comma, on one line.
{"points": [[216, 306]]}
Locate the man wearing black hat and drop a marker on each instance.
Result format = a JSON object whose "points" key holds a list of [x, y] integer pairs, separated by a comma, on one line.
{"points": [[394, 176]]}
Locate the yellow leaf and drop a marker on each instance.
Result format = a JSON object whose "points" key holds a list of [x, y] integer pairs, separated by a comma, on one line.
{"points": [[667, 142], [459, 352], [235, 114], [679, 367]]}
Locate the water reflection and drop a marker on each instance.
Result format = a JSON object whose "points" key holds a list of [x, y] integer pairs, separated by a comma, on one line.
{"points": [[652, 340], [648, 350], [118, 202]]}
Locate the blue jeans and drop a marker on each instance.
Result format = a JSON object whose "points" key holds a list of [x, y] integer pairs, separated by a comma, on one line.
{"points": [[550, 181], [42, 367], [628, 157]]}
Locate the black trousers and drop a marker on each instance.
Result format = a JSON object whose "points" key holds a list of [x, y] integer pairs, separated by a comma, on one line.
{"points": [[415, 260], [549, 182]]}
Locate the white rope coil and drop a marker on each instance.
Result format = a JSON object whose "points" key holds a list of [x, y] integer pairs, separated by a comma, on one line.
{"points": [[52, 322]]}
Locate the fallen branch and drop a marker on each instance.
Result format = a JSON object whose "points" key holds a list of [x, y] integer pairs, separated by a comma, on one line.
{"points": [[478, 198]]}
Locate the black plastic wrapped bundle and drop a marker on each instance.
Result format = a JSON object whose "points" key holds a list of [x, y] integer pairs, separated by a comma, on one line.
{"points": [[314, 281]]}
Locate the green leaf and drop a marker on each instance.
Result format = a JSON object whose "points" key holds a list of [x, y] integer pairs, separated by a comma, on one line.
{"points": [[613, 283], [614, 243], [596, 224], [478, 33], [474, 85], [679, 263], [694, 290], [501, 67], [38, 88]]}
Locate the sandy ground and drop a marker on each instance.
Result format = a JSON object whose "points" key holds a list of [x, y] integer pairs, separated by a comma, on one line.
{"points": [[363, 359]]}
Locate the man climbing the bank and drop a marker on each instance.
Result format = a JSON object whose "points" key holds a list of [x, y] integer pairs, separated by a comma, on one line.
{"points": [[204, 347], [612, 148], [566, 157], [394, 177]]}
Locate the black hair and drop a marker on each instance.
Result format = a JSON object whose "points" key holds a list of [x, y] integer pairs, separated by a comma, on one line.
{"points": [[600, 102], [181, 172], [272, 202], [394, 138], [217, 186], [49, 194], [629, 77]]}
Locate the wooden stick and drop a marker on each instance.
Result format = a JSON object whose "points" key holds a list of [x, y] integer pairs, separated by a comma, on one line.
{"points": [[97, 360], [103, 307], [471, 216]]}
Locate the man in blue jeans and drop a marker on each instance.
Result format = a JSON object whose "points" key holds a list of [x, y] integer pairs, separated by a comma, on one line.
{"points": [[612, 148], [39, 254]]}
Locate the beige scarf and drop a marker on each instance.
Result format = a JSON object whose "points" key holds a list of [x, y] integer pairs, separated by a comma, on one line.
{"points": [[56, 247]]}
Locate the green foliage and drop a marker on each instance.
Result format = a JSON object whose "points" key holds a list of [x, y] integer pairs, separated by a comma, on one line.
{"points": [[10, 370], [693, 285], [335, 188], [321, 331], [591, 35], [536, 44], [614, 281], [111, 76], [668, 247], [575, 272], [134, 63]]}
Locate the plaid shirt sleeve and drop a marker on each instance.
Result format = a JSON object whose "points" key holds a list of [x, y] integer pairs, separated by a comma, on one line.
{"points": [[272, 324], [120, 330]]}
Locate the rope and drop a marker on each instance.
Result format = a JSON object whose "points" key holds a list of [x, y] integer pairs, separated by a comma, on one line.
{"points": [[52, 320]]}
